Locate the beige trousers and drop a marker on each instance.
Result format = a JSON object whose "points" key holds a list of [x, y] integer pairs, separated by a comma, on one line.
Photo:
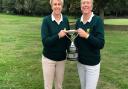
{"points": [[53, 71]]}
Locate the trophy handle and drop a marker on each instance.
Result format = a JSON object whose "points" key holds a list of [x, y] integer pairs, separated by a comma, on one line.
{"points": [[72, 53]]}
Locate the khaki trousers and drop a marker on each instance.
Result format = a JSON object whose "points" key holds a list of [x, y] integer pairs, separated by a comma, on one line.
{"points": [[52, 71]]}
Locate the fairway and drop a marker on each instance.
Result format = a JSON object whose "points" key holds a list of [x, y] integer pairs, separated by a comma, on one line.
{"points": [[116, 21], [21, 50]]}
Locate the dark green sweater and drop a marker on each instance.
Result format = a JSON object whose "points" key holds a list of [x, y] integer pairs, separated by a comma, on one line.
{"points": [[89, 49], [53, 47]]}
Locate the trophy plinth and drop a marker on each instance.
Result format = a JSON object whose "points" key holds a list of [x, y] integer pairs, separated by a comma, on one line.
{"points": [[72, 54]]}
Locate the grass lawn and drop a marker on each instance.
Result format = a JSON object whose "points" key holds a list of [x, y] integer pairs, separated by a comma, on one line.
{"points": [[116, 21], [20, 57]]}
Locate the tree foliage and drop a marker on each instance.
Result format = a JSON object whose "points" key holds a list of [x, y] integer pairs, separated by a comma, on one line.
{"points": [[71, 7]]}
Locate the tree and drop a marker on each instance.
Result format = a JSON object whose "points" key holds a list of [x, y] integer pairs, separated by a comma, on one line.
{"points": [[72, 7], [10, 6], [42, 7], [4, 5], [29, 6], [115, 7], [99, 6], [19, 6], [1, 5]]}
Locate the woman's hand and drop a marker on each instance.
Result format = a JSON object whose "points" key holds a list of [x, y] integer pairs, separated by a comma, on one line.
{"points": [[62, 33], [82, 33]]}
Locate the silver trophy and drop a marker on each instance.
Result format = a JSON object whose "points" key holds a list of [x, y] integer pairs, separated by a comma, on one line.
{"points": [[72, 54]]}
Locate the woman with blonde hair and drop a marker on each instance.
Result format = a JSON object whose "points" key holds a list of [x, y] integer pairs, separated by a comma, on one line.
{"points": [[55, 44], [90, 29]]}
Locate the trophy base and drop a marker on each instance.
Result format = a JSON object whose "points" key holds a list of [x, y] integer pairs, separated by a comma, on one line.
{"points": [[72, 56]]}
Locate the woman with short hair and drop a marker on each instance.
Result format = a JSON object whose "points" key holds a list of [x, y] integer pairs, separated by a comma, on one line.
{"points": [[55, 44], [90, 40]]}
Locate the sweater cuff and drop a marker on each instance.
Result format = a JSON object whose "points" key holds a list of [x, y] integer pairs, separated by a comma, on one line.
{"points": [[87, 36]]}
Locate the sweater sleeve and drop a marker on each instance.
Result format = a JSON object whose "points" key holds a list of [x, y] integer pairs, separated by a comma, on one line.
{"points": [[97, 40], [47, 40], [68, 28]]}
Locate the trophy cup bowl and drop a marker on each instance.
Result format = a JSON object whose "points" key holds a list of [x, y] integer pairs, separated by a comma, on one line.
{"points": [[72, 54]]}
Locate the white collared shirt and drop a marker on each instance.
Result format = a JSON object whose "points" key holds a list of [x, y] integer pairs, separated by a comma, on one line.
{"points": [[53, 19], [89, 20]]}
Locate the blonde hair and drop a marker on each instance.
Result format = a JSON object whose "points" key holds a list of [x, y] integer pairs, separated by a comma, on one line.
{"points": [[92, 3], [62, 1]]}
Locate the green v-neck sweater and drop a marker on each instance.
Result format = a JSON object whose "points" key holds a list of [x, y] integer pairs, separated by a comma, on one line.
{"points": [[89, 49], [54, 47]]}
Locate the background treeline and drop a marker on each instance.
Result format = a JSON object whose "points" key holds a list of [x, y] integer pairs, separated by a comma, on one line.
{"points": [[71, 7]]}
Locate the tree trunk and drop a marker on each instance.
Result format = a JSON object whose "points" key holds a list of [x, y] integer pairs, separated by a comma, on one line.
{"points": [[101, 12], [0, 5]]}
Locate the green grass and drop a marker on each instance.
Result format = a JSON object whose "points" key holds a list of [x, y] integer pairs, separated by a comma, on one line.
{"points": [[20, 57], [20, 53], [116, 21], [107, 21]]}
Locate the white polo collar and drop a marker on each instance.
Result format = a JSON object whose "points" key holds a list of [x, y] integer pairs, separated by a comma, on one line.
{"points": [[53, 18], [89, 20]]}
